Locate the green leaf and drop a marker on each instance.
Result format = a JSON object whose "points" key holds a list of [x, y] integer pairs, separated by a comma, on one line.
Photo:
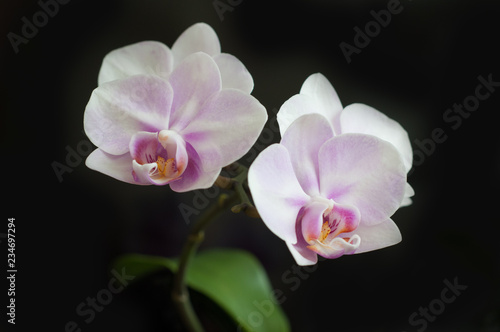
{"points": [[234, 279]]}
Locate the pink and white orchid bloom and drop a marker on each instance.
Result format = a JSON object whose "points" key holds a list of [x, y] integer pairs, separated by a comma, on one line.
{"points": [[178, 126], [328, 195], [317, 95], [155, 58]]}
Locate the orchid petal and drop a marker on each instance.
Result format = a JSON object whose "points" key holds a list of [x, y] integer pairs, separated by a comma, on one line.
{"points": [[142, 173], [276, 192], [302, 255], [363, 119], [303, 139], [234, 74], [118, 109], [292, 109], [336, 248], [363, 171], [225, 128], [193, 82], [144, 147], [409, 192], [194, 177], [118, 167], [176, 148], [377, 236], [321, 90], [199, 37], [313, 218], [147, 57]]}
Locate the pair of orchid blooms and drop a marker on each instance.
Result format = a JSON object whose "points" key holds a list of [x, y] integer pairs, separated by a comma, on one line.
{"points": [[178, 115]]}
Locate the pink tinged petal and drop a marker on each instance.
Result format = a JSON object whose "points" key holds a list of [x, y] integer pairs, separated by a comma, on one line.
{"points": [[193, 82], [142, 173], [118, 167], [308, 222], [312, 218], [303, 139], [199, 37], [377, 236], [118, 109], [337, 247], [194, 177], [276, 192], [294, 108], [176, 148], [363, 171], [302, 255], [158, 158], [147, 57], [363, 119], [225, 128], [234, 74], [144, 147], [409, 192], [319, 88], [342, 218]]}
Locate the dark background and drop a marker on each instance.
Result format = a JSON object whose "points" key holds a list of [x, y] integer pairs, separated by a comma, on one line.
{"points": [[68, 232]]}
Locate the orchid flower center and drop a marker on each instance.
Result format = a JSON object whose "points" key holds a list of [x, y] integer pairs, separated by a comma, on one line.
{"points": [[337, 220], [159, 158], [166, 167]]}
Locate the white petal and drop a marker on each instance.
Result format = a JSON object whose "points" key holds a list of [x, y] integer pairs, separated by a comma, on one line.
{"points": [[147, 57], [193, 82], [233, 73], [294, 108], [118, 109], [303, 139], [363, 119], [364, 171], [276, 192], [409, 192], [319, 88], [377, 236], [118, 167], [199, 37], [225, 128]]}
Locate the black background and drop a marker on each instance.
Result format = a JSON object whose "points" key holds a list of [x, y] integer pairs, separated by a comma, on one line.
{"points": [[428, 58]]}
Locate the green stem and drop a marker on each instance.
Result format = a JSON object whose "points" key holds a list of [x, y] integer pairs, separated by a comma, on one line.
{"points": [[238, 184], [180, 293]]}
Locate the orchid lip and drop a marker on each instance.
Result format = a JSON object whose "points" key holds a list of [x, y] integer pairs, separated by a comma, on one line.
{"points": [[328, 239], [159, 158]]}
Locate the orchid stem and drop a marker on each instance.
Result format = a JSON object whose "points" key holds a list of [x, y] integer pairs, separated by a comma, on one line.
{"points": [[180, 293], [238, 184]]}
